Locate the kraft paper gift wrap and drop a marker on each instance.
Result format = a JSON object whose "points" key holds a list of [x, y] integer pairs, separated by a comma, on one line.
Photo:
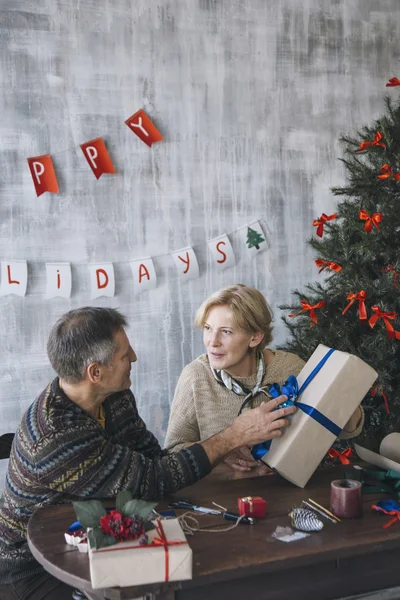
{"points": [[335, 391], [389, 453], [128, 563]]}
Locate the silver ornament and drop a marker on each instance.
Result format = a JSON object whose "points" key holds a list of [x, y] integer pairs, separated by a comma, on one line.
{"points": [[305, 520]]}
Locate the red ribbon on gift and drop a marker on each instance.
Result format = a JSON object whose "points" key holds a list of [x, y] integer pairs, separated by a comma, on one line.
{"points": [[312, 308], [319, 223], [380, 389], [386, 173], [374, 219], [342, 456], [387, 317], [393, 82], [376, 142], [361, 296], [387, 512], [326, 264], [396, 274]]}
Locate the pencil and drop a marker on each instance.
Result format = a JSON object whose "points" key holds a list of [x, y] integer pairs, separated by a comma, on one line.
{"points": [[324, 509], [319, 511]]}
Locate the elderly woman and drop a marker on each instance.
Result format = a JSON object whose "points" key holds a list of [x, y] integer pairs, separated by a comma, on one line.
{"points": [[211, 390]]}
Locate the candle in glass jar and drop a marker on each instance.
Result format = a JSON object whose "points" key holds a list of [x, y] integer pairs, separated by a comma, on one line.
{"points": [[346, 500]]}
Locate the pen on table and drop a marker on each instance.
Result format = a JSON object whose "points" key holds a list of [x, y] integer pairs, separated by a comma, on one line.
{"points": [[185, 504], [318, 511], [326, 511]]}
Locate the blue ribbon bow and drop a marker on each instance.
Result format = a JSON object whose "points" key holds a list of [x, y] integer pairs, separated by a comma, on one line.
{"points": [[291, 389]]}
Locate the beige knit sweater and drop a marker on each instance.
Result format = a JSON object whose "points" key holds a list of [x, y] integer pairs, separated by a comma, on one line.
{"points": [[203, 407]]}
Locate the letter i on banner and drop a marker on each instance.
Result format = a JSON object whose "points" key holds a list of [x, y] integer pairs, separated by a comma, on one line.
{"points": [[43, 174], [253, 237], [144, 275], [222, 251], [186, 263], [59, 280], [144, 128], [102, 280], [97, 156], [14, 277]]}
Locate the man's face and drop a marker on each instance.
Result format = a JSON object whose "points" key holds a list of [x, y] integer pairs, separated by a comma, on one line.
{"points": [[116, 377]]}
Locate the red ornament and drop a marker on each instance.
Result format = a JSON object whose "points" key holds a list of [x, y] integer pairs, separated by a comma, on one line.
{"points": [[361, 296], [396, 274], [312, 308], [342, 456], [387, 317], [252, 506], [374, 219], [376, 142], [393, 82], [319, 223], [122, 528], [380, 389], [326, 264], [387, 173]]}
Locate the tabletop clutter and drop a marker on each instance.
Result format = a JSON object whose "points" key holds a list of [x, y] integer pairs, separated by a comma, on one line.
{"points": [[134, 544]]}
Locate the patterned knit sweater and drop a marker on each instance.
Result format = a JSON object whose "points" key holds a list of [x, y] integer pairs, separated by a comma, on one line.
{"points": [[203, 407], [61, 453]]}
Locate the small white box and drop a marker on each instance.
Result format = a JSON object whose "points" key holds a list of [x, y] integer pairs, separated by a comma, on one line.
{"points": [[129, 564]]}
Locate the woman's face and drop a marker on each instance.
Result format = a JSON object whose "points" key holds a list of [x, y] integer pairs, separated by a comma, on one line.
{"points": [[226, 344]]}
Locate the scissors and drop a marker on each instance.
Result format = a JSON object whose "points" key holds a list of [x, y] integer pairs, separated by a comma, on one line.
{"points": [[189, 506]]}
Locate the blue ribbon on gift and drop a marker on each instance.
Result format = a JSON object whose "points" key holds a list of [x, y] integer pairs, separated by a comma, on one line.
{"points": [[291, 389]]}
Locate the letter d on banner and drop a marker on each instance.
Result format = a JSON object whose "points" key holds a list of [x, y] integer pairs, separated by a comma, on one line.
{"points": [[43, 174], [102, 280]]}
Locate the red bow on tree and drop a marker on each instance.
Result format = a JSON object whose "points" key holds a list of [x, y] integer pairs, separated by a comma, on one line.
{"points": [[376, 142], [393, 82], [387, 317], [396, 274], [324, 264], [342, 456], [370, 220], [307, 306], [361, 296], [386, 173], [319, 223], [380, 389]]}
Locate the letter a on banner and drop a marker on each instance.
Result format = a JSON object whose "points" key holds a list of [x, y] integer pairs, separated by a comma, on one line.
{"points": [[144, 128], [14, 277], [222, 251], [186, 263], [59, 281], [97, 156], [43, 174], [102, 280], [144, 275]]}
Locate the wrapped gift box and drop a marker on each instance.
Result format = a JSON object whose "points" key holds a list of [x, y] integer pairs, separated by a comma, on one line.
{"points": [[252, 506], [335, 391], [165, 558]]}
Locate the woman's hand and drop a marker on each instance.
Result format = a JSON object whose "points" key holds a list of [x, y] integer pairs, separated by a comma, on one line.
{"points": [[242, 460]]}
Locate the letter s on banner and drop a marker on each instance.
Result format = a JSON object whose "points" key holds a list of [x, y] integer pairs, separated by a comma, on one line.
{"points": [[222, 251], [102, 280]]}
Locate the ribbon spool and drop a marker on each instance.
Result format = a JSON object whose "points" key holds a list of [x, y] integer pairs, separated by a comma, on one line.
{"points": [[346, 500]]}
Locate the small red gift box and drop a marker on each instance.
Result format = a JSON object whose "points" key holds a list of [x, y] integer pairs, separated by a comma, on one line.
{"points": [[252, 506]]}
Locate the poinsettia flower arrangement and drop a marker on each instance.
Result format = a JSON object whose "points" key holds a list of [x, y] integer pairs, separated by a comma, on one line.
{"points": [[128, 521]]}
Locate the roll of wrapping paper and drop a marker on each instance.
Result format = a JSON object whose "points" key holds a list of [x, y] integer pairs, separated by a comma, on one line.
{"points": [[346, 500]]}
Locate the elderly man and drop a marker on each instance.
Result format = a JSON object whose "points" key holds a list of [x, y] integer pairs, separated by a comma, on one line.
{"points": [[83, 438]]}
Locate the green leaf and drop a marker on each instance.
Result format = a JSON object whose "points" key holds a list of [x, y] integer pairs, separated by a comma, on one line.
{"points": [[122, 499], [138, 507], [98, 539], [89, 512], [149, 525]]}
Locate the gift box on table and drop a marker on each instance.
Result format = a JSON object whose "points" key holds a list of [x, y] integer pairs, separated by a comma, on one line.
{"points": [[252, 506], [335, 392], [167, 557]]}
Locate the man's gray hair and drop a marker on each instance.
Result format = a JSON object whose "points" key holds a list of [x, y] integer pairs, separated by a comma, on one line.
{"points": [[81, 337]]}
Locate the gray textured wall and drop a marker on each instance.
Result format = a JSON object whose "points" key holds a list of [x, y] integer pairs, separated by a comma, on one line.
{"points": [[251, 96]]}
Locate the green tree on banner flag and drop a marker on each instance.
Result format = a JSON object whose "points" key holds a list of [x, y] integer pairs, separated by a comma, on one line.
{"points": [[254, 238]]}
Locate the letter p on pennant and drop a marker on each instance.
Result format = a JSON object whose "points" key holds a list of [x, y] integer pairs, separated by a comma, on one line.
{"points": [[43, 174], [97, 156], [144, 128]]}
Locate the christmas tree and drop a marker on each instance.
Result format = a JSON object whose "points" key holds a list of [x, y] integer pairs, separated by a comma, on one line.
{"points": [[356, 307], [254, 238]]}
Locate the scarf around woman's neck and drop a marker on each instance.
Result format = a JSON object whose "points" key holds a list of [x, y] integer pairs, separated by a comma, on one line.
{"points": [[238, 388]]}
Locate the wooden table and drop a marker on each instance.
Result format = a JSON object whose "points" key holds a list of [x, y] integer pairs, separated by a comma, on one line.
{"points": [[351, 557]]}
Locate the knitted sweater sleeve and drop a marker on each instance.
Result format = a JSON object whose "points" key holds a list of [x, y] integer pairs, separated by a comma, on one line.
{"points": [[81, 461], [183, 429]]}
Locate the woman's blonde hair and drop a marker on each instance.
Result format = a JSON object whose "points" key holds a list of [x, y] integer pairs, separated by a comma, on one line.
{"points": [[249, 307]]}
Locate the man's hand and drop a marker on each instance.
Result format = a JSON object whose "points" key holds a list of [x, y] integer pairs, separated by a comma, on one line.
{"points": [[251, 427], [241, 459]]}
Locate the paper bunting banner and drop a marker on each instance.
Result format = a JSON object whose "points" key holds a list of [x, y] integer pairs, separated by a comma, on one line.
{"points": [[144, 275], [222, 251], [102, 280], [186, 263], [14, 277], [59, 281], [253, 237], [144, 128], [43, 174], [97, 156]]}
